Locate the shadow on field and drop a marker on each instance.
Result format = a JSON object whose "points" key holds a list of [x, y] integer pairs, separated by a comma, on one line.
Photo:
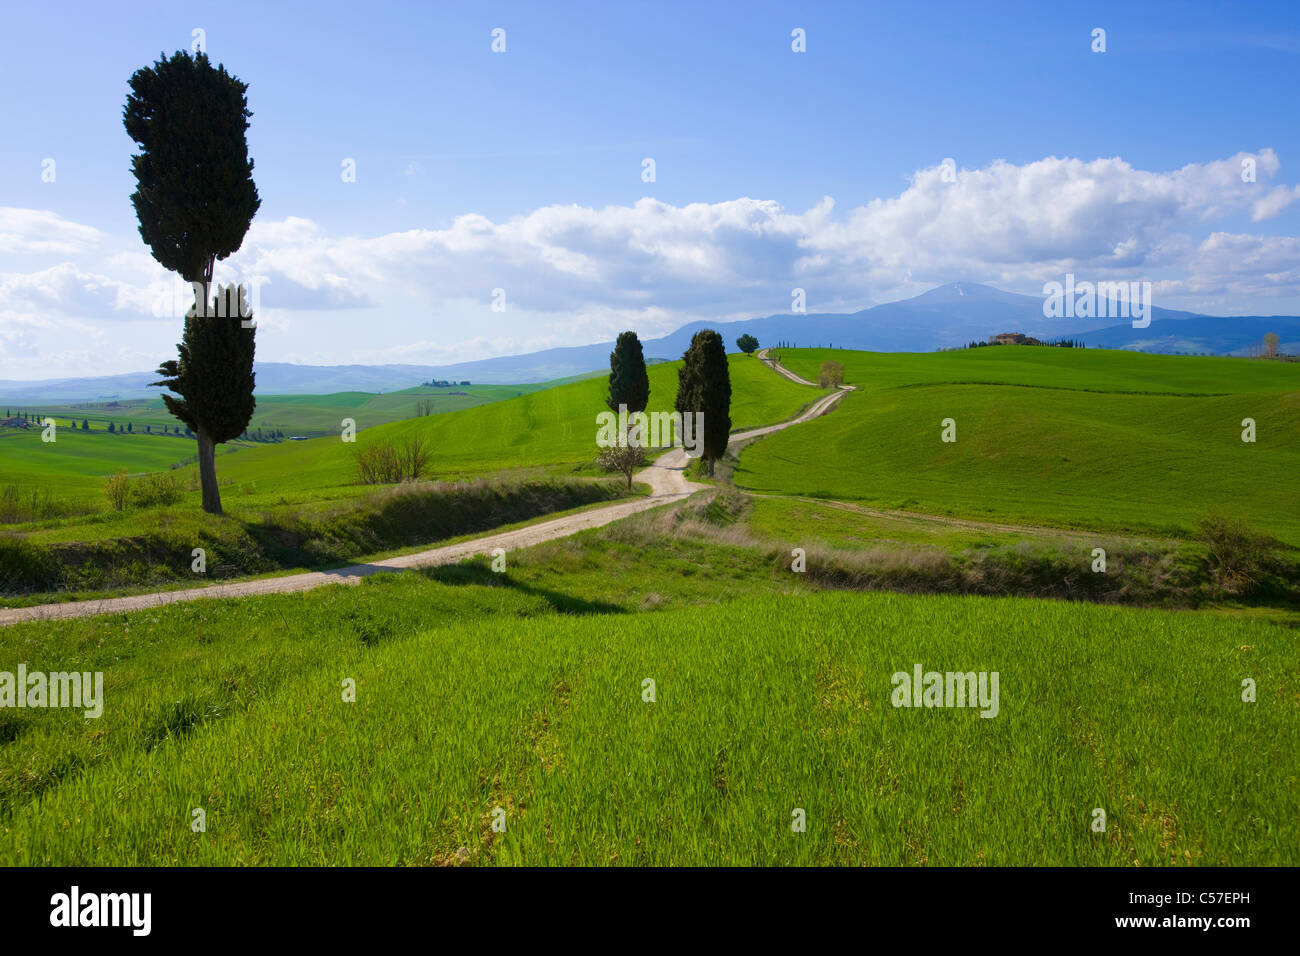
{"points": [[463, 574]]}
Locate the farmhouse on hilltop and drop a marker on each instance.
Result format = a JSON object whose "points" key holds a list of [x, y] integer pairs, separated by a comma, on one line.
{"points": [[1013, 338]]}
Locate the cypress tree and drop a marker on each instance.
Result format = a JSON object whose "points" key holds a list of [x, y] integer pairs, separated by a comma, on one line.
{"points": [[195, 199], [704, 385], [195, 195], [629, 384], [214, 379]]}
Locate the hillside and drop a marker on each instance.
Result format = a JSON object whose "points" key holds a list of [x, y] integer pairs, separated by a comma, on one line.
{"points": [[552, 430], [541, 433], [1061, 437], [303, 414], [766, 688]]}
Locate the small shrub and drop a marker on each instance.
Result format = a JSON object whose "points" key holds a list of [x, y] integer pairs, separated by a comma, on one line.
{"points": [[1240, 559], [19, 504], [156, 489], [624, 459], [118, 490], [377, 463], [831, 375], [414, 457], [387, 462]]}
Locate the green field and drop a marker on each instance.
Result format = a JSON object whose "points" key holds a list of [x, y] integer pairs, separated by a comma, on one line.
{"points": [[73, 468], [299, 503], [471, 697], [523, 690], [74, 465], [1105, 370], [552, 430], [1100, 440], [309, 415]]}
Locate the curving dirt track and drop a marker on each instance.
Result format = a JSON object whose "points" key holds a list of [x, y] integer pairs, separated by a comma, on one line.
{"points": [[665, 477]]}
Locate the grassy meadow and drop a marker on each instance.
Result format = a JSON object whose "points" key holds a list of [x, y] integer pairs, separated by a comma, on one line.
{"points": [[74, 465], [551, 431], [1099, 440], [474, 694], [1099, 370], [300, 504], [73, 468], [309, 415], [522, 690]]}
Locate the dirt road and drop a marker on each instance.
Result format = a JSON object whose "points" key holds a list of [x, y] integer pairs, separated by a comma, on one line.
{"points": [[665, 477]]}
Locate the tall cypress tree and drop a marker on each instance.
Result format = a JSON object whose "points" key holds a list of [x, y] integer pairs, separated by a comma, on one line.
{"points": [[629, 384], [195, 199], [704, 385]]}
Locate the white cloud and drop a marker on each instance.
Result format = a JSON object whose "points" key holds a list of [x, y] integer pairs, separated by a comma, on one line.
{"points": [[574, 274], [1007, 222], [39, 231], [66, 289], [1247, 266], [1274, 202]]}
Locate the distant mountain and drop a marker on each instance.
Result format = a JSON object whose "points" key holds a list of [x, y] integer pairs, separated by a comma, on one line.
{"points": [[943, 317], [53, 391], [1201, 333], [273, 378], [947, 316]]}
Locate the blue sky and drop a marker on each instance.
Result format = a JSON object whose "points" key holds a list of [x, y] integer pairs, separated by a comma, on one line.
{"points": [[522, 170]]}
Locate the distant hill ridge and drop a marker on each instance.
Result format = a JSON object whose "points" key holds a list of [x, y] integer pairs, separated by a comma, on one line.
{"points": [[947, 316]]}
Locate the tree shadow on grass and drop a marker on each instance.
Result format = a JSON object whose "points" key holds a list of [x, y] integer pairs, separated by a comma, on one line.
{"points": [[458, 575]]}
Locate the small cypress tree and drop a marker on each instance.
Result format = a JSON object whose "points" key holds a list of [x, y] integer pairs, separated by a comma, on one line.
{"points": [[629, 383], [704, 385], [214, 379]]}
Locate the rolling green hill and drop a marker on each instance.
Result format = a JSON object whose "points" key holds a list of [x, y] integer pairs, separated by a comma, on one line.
{"points": [[763, 706], [74, 465], [1103, 370], [72, 469], [543, 433], [310, 415], [552, 430], [1061, 437]]}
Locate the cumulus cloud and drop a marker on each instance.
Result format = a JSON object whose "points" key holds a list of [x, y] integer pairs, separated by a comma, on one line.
{"points": [[1052, 213], [1246, 265], [1003, 222], [1274, 202], [573, 274], [33, 231], [65, 288]]}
